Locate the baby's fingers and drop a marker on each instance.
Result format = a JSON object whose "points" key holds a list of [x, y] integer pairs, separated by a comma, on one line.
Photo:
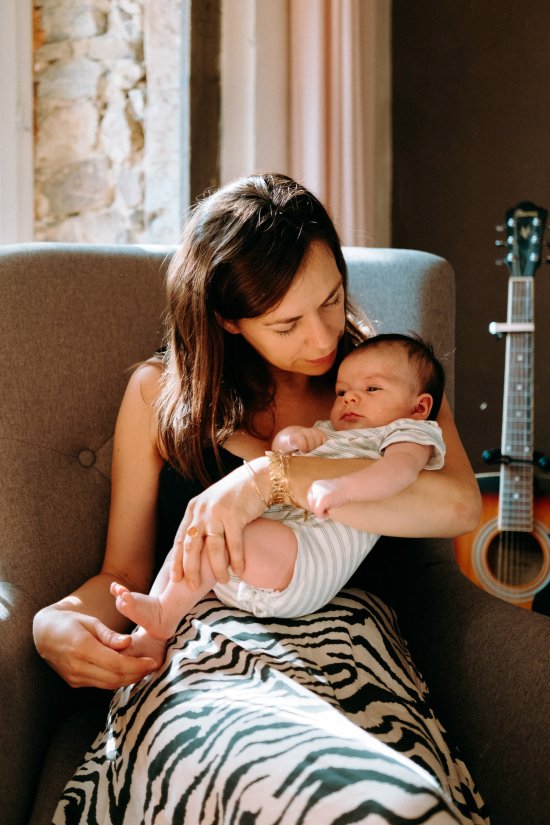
{"points": [[320, 498], [316, 505], [315, 438]]}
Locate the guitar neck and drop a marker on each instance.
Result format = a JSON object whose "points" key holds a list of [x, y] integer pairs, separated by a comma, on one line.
{"points": [[516, 479]]}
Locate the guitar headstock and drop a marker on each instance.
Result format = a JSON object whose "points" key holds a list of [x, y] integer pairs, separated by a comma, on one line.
{"points": [[524, 227]]}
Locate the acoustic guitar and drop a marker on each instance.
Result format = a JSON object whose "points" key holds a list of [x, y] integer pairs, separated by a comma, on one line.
{"points": [[508, 555]]}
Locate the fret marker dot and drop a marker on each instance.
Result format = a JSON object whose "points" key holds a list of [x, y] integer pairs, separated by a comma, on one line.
{"points": [[515, 496], [520, 357], [519, 387], [516, 479]]}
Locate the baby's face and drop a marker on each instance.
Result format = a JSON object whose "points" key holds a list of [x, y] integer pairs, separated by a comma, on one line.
{"points": [[374, 387]]}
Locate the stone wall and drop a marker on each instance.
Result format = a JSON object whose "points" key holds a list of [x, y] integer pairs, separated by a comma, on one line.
{"points": [[108, 120]]}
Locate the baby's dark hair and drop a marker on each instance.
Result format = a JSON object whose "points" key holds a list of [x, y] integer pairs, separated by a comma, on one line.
{"points": [[431, 374]]}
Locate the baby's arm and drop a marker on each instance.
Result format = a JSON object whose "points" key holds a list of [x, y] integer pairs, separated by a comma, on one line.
{"points": [[398, 467], [303, 439]]}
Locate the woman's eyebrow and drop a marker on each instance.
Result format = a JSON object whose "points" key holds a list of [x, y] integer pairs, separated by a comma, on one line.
{"points": [[297, 317]]}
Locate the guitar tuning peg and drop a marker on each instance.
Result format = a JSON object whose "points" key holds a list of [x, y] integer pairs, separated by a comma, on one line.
{"points": [[500, 227], [500, 243], [500, 262]]}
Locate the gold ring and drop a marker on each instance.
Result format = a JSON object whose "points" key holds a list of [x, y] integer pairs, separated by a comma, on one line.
{"points": [[193, 532]]}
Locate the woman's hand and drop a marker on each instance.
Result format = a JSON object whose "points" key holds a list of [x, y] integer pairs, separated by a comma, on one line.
{"points": [[214, 522], [84, 651]]}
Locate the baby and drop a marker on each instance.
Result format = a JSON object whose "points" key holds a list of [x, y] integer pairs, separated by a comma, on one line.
{"points": [[388, 391]]}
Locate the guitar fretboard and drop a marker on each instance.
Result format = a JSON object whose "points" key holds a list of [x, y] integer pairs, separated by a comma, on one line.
{"points": [[516, 479]]}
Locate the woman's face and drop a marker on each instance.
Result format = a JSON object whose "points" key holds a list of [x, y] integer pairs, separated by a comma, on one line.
{"points": [[301, 333]]}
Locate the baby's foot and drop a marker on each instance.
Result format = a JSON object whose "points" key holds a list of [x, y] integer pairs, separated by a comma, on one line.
{"points": [[142, 610], [143, 644]]}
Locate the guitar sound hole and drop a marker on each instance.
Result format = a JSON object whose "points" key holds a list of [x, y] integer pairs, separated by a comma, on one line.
{"points": [[514, 558]]}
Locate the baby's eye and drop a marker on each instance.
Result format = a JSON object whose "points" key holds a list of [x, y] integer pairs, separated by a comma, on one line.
{"points": [[372, 389], [340, 393]]}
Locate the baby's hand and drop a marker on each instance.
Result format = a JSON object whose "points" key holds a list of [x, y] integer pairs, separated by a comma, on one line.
{"points": [[325, 494], [303, 439]]}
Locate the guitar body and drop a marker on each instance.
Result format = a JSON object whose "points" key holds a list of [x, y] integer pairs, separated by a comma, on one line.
{"points": [[513, 565]]}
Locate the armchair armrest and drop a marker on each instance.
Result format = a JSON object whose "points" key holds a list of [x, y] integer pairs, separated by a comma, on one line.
{"points": [[29, 702]]}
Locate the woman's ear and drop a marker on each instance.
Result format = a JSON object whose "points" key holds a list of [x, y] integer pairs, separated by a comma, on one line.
{"points": [[228, 326], [423, 405]]}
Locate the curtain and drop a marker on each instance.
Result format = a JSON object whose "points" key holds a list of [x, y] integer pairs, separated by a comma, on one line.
{"points": [[339, 139], [306, 90]]}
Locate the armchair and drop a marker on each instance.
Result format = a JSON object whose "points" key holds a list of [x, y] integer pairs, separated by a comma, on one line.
{"points": [[75, 318]]}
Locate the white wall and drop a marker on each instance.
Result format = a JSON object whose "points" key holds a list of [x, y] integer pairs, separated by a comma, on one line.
{"points": [[16, 125]]}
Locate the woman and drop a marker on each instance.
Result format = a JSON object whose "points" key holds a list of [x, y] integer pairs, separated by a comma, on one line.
{"points": [[258, 322]]}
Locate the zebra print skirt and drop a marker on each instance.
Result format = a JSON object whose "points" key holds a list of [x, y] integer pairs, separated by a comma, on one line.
{"points": [[276, 722]]}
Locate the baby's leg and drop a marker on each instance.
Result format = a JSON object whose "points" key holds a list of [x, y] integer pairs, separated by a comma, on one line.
{"points": [[270, 550], [160, 612]]}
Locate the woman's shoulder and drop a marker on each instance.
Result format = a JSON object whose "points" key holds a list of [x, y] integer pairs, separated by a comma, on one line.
{"points": [[146, 381], [138, 412]]}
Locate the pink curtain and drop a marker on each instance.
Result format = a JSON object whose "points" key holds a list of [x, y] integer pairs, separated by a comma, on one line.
{"points": [[332, 109]]}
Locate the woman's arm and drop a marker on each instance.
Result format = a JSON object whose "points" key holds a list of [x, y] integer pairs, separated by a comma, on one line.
{"points": [[445, 503], [442, 503], [81, 636]]}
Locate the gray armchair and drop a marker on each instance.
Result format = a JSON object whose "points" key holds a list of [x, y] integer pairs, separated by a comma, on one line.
{"points": [[74, 319]]}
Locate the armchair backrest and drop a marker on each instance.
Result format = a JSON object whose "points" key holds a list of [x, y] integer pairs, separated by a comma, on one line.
{"points": [[403, 290]]}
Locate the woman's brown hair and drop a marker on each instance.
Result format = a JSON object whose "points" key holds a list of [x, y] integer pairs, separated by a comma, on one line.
{"points": [[240, 253]]}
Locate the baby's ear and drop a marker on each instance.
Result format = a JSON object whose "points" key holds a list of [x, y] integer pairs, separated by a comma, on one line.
{"points": [[423, 405]]}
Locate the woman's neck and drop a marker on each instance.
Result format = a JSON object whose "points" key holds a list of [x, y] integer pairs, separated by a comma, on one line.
{"points": [[299, 399], [290, 381], [298, 383]]}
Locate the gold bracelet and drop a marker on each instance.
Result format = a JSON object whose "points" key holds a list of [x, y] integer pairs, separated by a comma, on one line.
{"points": [[253, 474], [279, 473]]}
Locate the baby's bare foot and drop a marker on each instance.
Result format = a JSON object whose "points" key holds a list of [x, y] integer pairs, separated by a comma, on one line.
{"points": [[143, 610], [143, 644]]}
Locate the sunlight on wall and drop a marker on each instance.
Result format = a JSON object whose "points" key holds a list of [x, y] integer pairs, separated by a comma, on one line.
{"points": [[108, 126]]}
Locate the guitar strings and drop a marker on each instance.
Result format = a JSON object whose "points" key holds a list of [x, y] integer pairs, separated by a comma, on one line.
{"points": [[517, 482]]}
